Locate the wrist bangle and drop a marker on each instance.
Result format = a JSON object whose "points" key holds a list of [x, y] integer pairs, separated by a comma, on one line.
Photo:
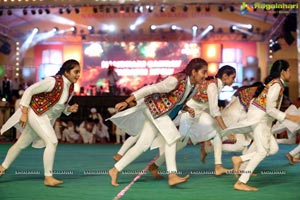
{"points": [[126, 103]]}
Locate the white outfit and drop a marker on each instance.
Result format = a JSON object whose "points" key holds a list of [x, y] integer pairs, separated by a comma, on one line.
{"points": [[139, 121], [261, 123], [39, 128], [87, 132], [204, 126], [69, 133]]}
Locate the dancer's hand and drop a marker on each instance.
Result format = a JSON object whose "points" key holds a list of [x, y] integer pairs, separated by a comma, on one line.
{"points": [[294, 118], [121, 106], [73, 108], [232, 138], [23, 120], [191, 111]]}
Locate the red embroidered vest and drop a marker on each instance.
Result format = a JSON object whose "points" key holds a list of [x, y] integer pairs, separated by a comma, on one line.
{"points": [[245, 95], [201, 94], [261, 100], [42, 102], [160, 103]]}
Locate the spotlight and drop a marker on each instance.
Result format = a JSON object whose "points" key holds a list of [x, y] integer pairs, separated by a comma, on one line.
{"points": [[185, 8], [150, 9], [55, 29], [91, 29], [198, 8], [210, 27], [162, 9], [77, 10], [122, 9], [47, 10], [33, 12], [74, 30], [40, 11], [132, 27], [207, 8], [61, 11], [115, 10], [152, 28], [231, 8], [95, 10], [275, 46], [140, 9], [173, 28], [68, 10], [25, 12], [194, 27], [35, 30], [232, 28]]}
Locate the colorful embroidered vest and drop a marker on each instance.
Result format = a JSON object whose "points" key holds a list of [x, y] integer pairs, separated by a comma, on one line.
{"points": [[160, 103], [201, 94], [261, 100], [245, 96], [42, 102]]}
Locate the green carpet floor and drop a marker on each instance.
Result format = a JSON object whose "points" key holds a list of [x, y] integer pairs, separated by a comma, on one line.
{"points": [[84, 171]]}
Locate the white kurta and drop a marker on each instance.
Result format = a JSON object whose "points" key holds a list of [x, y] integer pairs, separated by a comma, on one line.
{"points": [[132, 120], [203, 126], [49, 116]]}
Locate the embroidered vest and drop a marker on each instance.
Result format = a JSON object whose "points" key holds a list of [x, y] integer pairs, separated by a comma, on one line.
{"points": [[245, 96], [42, 102], [201, 94], [261, 100], [160, 103]]}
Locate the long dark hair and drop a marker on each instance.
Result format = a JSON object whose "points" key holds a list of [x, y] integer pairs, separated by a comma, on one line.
{"points": [[196, 64], [67, 66], [276, 69], [226, 69]]}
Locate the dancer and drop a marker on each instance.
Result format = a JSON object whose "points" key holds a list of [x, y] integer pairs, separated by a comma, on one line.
{"points": [[208, 121], [36, 117], [263, 109], [157, 105]]}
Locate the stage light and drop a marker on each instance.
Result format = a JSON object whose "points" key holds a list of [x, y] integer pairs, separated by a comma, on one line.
{"points": [[198, 8], [150, 8], [122, 9], [231, 8], [40, 11], [207, 8], [68, 10], [185, 8], [194, 27], [91, 29], [35, 30], [132, 27], [47, 10], [61, 11], [162, 9], [140, 9], [95, 10], [152, 28], [210, 27], [25, 12], [55, 29], [173, 27], [74, 30], [232, 28], [33, 12]]}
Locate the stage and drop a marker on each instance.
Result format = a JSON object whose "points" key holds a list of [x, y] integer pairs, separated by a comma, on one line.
{"points": [[84, 171]]}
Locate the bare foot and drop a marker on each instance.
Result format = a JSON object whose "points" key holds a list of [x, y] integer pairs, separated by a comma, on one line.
{"points": [[154, 171], [113, 173], [296, 159], [175, 180], [242, 186], [220, 170], [2, 170], [203, 154], [290, 158], [237, 161], [117, 157], [50, 181]]}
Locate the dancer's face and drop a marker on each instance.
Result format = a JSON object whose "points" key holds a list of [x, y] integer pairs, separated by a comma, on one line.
{"points": [[286, 75], [228, 79], [74, 74], [198, 76]]}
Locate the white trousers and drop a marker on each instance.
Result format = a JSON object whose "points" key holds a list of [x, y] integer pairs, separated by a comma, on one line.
{"points": [[129, 142], [37, 126], [295, 151], [147, 136], [265, 144]]}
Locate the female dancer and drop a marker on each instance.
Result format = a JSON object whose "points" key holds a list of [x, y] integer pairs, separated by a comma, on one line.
{"points": [[157, 105], [41, 104], [262, 112], [208, 121]]}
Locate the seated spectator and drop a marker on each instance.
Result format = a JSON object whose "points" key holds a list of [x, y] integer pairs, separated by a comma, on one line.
{"points": [[69, 134], [86, 131]]}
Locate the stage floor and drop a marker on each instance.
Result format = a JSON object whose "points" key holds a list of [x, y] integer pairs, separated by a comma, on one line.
{"points": [[84, 171]]}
